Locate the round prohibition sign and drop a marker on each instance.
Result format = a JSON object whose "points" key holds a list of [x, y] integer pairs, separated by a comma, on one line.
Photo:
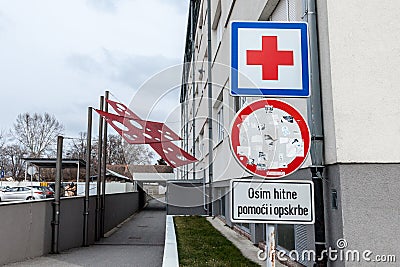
{"points": [[270, 138]]}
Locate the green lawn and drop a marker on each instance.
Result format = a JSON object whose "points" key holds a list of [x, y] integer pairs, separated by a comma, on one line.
{"points": [[200, 244]]}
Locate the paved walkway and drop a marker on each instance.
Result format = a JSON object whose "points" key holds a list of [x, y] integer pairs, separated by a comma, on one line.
{"points": [[139, 242], [242, 243]]}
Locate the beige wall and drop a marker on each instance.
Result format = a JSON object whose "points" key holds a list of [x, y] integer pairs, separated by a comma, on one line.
{"points": [[360, 57]]}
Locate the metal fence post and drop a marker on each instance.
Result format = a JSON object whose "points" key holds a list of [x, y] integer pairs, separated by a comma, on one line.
{"points": [[56, 203]]}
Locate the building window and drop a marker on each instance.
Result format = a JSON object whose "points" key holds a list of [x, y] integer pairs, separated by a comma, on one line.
{"points": [[285, 10], [222, 207], [240, 101], [286, 236], [243, 101], [200, 24], [244, 226], [217, 24], [220, 122], [197, 146], [202, 148], [220, 28]]}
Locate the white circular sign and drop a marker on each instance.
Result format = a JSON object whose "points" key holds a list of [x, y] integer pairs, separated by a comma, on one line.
{"points": [[270, 138]]}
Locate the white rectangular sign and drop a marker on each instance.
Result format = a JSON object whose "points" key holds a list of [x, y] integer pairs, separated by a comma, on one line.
{"points": [[280, 202]]}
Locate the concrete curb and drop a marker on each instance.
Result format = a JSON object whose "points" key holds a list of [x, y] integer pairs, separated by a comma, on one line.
{"points": [[170, 258]]}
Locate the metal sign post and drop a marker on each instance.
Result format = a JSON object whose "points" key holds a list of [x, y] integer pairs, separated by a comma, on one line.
{"points": [[270, 245]]}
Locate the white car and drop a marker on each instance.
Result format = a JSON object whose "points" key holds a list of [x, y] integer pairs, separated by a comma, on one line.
{"points": [[21, 193]]}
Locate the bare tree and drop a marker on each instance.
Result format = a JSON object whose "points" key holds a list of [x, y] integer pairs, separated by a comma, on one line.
{"points": [[36, 132], [118, 151], [2, 139], [115, 150], [13, 155], [77, 147], [137, 154], [2, 151]]}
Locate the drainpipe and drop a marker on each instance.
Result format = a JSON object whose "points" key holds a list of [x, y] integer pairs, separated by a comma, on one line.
{"points": [[193, 85], [87, 178], [317, 132], [99, 173], [56, 203], [103, 199], [210, 111]]}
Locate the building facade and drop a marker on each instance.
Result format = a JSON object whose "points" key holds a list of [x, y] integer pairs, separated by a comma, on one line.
{"points": [[355, 69]]}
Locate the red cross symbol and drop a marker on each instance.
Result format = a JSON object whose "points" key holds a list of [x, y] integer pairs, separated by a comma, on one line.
{"points": [[269, 57]]}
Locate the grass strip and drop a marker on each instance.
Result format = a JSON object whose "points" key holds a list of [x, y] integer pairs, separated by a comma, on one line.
{"points": [[200, 244]]}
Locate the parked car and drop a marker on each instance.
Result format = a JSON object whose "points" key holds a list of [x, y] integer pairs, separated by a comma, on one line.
{"points": [[3, 188], [48, 192], [21, 193]]}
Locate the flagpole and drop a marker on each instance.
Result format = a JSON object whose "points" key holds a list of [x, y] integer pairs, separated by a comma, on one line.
{"points": [[103, 202], [99, 170]]}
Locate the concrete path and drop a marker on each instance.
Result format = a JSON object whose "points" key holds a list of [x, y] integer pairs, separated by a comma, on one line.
{"points": [[139, 242]]}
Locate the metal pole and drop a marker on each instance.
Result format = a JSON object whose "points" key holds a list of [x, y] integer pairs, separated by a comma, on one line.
{"points": [[204, 191], [210, 111], [31, 168], [56, 203], [87, 178], [193, 86], [99, 172], [103, 199], [26, 171], [77, 177], [1, 175], [317, 132], [270, 243]]}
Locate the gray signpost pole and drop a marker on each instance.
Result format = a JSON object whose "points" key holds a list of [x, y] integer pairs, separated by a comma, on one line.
{"points": [[270, 245]]}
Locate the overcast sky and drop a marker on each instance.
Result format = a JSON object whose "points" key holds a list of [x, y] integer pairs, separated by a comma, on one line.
{"points": [[60, 56]]}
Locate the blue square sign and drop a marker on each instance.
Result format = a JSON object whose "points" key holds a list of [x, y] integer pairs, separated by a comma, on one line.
{"points": [[270, 59]]}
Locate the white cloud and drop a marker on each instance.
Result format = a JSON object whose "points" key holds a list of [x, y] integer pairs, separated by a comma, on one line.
{"points": [[59, 56], [104, 5]]}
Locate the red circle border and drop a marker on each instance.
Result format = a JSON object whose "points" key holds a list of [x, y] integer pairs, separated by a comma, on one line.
{"points": [[304, 130]]}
